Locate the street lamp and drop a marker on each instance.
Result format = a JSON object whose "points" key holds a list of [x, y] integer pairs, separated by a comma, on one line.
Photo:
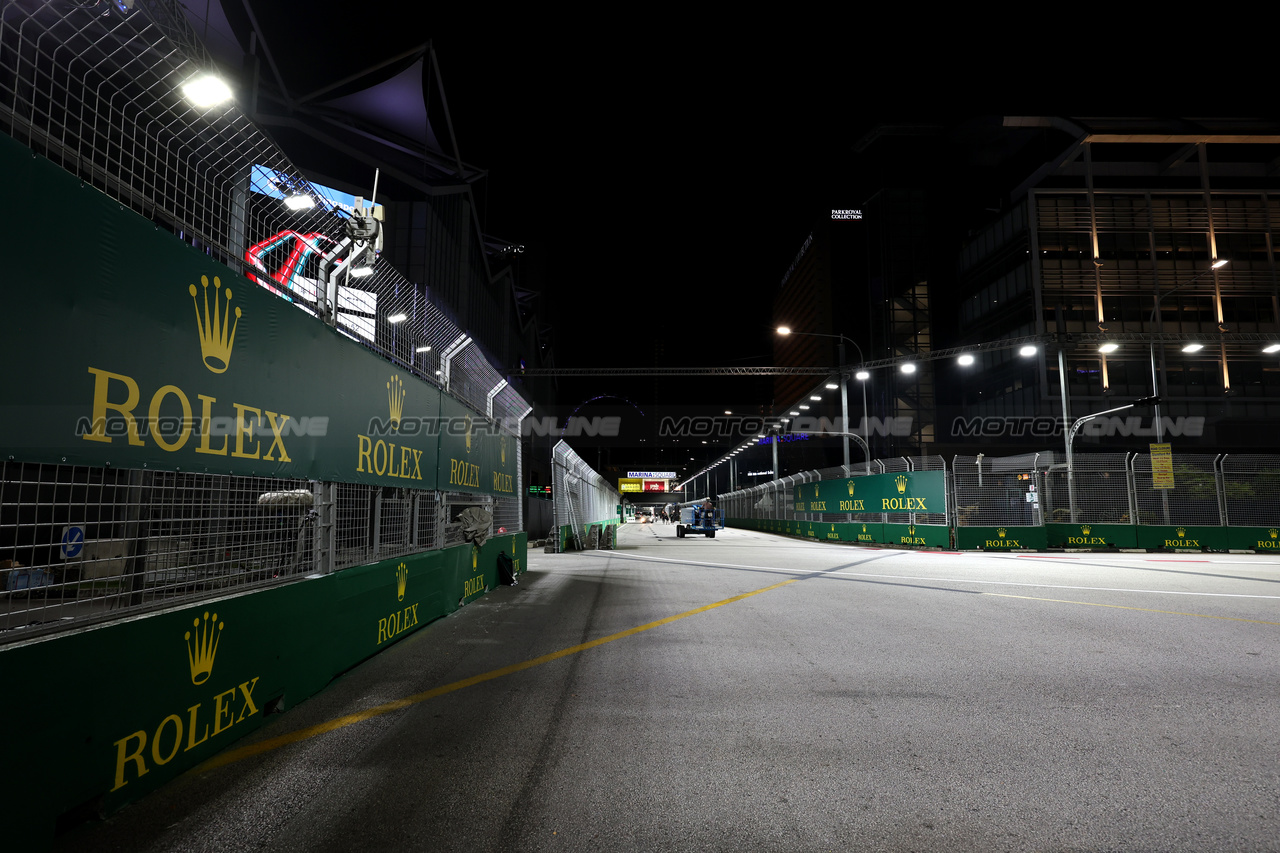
{"points": [[1071, 437], [844, 389], [1155, 382]]}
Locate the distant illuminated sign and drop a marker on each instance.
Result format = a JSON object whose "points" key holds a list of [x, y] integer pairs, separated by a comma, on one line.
{"points": [[630, 484], [846, 214], [652, 475], [541, 491], [786, 436], [655, 485]]}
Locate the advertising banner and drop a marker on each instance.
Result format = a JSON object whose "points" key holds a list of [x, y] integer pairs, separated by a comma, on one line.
{"points": [[139, 351], [913, 491]]}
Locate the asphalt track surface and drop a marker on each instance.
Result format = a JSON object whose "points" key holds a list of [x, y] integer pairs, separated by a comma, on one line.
{"points": [[757, 693]]}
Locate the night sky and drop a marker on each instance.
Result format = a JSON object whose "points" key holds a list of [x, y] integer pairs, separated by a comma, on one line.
{"points": [[663, 174]]}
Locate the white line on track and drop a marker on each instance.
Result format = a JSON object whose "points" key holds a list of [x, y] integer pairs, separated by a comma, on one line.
{"points": [[826, 573]]}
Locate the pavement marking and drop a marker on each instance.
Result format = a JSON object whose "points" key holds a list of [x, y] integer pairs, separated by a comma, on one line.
{"points": [[835, 573], [1052, 586], [1123, 607], [234, 755]]}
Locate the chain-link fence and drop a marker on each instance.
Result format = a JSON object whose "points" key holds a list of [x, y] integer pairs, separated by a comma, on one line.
{"points": [[81, 542], [582, 498], [1035, 489], [1250, 489], [1193, 500], [97, 89], [1095, 491], [994, 490]]}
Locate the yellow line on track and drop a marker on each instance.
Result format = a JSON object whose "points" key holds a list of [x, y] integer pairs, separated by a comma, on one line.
{"points": [[234, 755], [1123, 607]]}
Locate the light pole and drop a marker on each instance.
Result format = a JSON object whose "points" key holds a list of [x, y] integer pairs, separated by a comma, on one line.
{"points": [[1071, 437], [844, 389], [1155, 382]]}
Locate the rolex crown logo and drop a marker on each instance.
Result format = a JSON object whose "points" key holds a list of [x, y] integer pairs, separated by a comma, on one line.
{"points": [[864, 528], [217, 332], [1084, 529], [504, 451], [901, 480], [395, 398], [851, 488], [911, 530], [1002, 531], [202, 649], [1182, 532], [1273, 533], [466, 428], [402, 578], [833, 528]]}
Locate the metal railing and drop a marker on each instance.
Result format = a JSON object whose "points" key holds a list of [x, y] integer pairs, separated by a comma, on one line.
{"points": [[1035, 489], [95, 88], [581, 496]]}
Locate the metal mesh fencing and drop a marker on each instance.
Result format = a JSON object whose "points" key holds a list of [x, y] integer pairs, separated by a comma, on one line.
{"points": [[1193, 500], [993, 491], [1095, 491], [1251, 489], [581, 496], [84, 543], [97, 89], [452, 504]]}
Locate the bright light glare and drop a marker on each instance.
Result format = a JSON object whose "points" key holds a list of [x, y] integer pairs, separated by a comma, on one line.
{"points": [[1219, 264], [361, 272], [831, 386], [908, 368], [423, 349], [397, 318], [206, 91], [1193, 348], [1108, 348], [299, 202], [795, 414], [1272, 348], [863, 375], [816, 397], [783, 330], [804, 407], [1027, 350], [965, 360]]}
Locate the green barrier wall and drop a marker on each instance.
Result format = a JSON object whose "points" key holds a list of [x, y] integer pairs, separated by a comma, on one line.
{"points": [[1101, 536], [1026, 538], [1183, 538], [99, 718], [1007, 538], [566, 531], [1253, 538], [866, 533]]}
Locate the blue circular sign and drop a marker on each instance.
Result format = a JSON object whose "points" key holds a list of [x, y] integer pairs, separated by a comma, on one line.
{"points": [[72, 542]]}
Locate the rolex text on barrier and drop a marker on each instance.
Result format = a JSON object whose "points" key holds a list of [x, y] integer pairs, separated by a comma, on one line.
{"points": [[911, 491], [172, 361]]}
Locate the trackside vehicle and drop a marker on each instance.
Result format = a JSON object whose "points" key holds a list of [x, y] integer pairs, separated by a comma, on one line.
{"points": [[693, 519]]}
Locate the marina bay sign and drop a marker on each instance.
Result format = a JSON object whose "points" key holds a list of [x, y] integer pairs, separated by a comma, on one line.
{"points": [[909, 491]]}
